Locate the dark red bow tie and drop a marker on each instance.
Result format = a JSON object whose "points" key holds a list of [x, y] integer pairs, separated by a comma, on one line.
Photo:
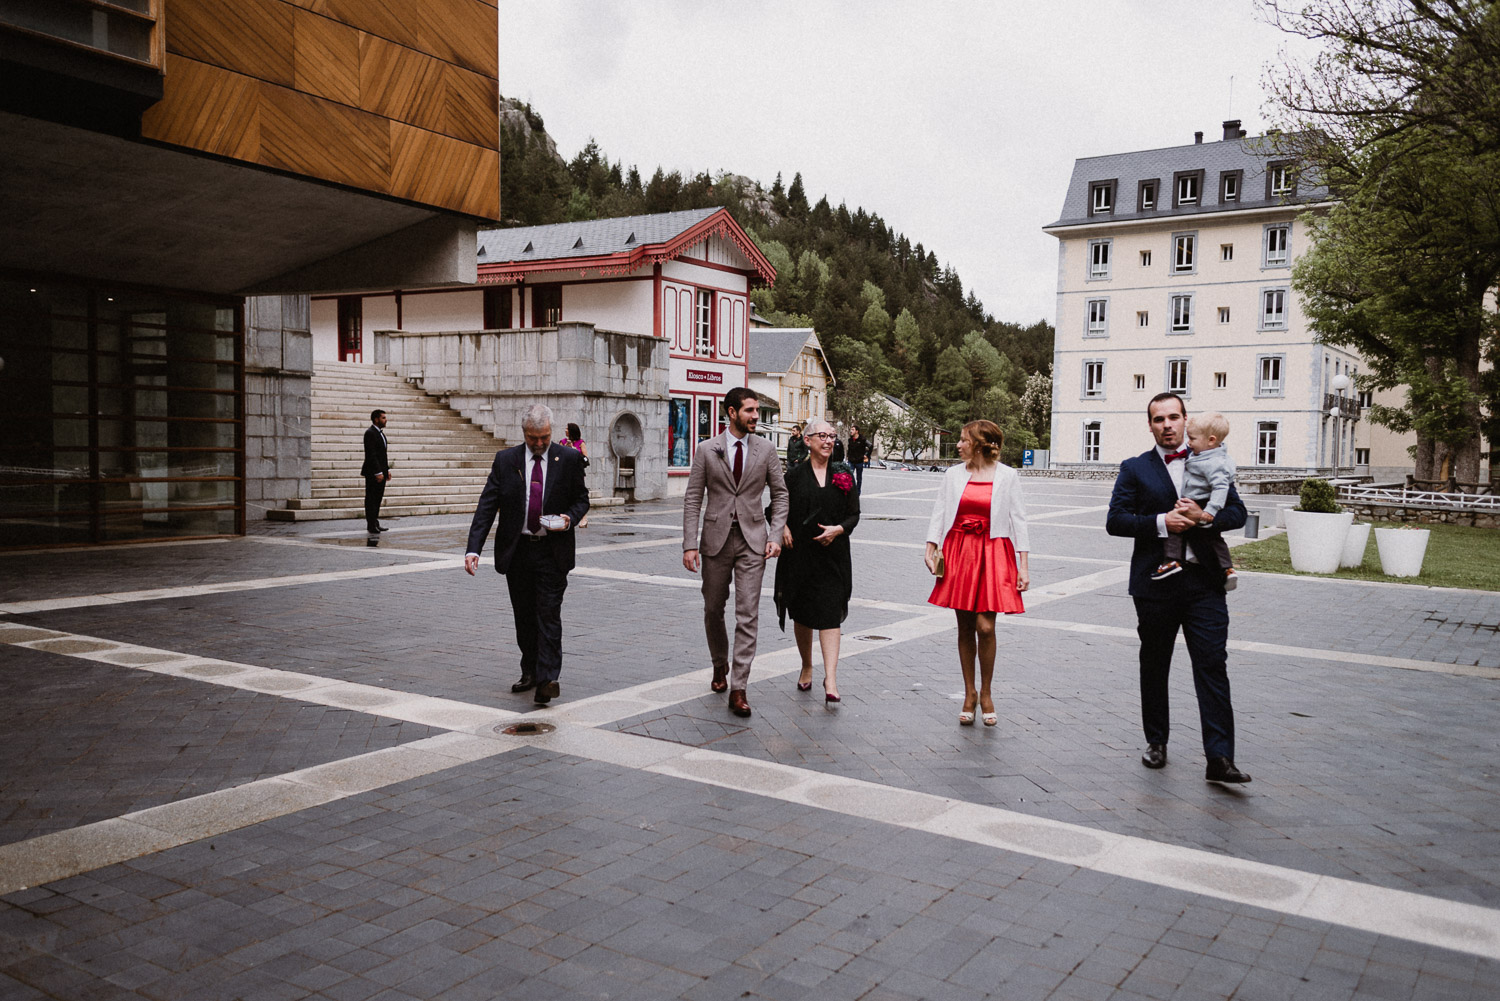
{"points": [[1173, 456]]}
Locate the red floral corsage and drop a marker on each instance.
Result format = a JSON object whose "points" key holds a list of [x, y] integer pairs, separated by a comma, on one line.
{"points": [[843, 481]]}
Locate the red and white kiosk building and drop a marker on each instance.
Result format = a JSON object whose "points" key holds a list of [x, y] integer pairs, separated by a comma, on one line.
{"points": [[683, 276]]}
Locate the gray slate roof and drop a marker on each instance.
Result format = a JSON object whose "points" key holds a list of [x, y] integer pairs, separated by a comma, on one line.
{"points": [[1250, 154], [773, 349], [585, 239]]}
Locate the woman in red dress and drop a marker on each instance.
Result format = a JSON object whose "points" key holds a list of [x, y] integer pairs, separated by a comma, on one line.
{"points": [[983, 564]]}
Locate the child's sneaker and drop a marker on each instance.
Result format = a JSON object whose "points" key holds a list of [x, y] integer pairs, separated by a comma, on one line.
{"points": [[1166, 570], [1231, 579]]}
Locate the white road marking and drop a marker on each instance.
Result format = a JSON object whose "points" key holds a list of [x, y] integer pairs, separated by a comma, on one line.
{"points": [[1401, 914], [259, 584]]}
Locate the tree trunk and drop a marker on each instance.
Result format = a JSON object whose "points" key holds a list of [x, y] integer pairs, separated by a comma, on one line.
{"points": [[1426, 458], [1466, 454]]}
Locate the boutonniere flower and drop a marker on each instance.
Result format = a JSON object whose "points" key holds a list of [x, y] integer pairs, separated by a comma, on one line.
{"points": [[843, 481]]}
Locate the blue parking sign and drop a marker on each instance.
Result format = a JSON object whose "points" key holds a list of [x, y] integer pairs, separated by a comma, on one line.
{"points": [[1026, 457]]}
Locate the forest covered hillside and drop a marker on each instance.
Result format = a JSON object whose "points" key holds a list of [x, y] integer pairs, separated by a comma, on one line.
{"points": [[889, 315]]}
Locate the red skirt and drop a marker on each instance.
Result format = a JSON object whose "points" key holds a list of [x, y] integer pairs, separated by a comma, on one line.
{"points": [[979, 574]]}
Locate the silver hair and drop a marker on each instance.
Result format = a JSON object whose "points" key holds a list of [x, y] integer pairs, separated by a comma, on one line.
{"points": [[814, 426], [536, 418]]}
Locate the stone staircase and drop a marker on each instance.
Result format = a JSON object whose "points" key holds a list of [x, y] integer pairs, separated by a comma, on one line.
{"points": [[439, 460]]}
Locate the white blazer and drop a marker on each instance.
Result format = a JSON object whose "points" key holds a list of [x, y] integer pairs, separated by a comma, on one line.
{"points": [[1007, 515]]}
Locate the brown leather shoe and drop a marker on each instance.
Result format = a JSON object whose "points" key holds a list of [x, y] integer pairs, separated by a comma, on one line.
{"points": [[738, 704], [721, 680], [545, 693]]}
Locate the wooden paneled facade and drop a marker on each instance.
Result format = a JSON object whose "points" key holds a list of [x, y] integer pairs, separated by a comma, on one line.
{"points": [[398, 97]]}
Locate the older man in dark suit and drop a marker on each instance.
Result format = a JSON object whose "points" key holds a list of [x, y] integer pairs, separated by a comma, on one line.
{"points": [[1145, 507], [538, 492]]}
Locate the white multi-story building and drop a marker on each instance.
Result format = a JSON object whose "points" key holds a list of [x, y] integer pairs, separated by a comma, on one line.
{"points": [[1174, 273]]}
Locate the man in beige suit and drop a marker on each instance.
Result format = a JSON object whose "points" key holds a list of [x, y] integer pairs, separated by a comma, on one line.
{"points": [[730, 473]]}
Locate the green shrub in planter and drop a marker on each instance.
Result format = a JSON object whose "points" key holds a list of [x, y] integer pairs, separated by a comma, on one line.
{"points": [[1318, 496]]}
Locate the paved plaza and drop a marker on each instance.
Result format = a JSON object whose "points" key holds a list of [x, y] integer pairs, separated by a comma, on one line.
{"points": [[290, 766]]}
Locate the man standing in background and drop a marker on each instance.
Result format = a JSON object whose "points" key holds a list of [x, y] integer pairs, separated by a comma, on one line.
{"points": [[376, 470]]}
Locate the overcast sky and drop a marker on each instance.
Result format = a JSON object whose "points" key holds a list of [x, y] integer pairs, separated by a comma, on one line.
{"points": [[957, 122]]}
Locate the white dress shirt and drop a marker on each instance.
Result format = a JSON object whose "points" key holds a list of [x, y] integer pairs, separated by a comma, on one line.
{"points": [[1175, 471], [526, 474], [531, 462]]}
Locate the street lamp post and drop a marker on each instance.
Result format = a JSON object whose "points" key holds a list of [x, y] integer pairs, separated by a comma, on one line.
{"points": [[1338, 384]]}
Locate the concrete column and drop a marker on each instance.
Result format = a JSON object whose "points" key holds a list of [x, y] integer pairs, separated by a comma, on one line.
{"points": [[278, 402]]}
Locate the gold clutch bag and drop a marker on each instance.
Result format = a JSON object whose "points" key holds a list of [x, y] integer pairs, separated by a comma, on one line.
{"points": [[941, 567]]}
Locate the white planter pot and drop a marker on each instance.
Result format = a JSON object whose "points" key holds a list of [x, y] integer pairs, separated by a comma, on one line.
{"points": [[1316, 541], [1354, 545], [1401, 550]]}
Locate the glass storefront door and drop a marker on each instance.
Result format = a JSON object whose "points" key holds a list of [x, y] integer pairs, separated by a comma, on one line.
{"points": [[123, 413]]}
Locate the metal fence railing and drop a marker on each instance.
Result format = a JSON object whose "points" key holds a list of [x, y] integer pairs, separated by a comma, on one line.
{"points": [[1399, 495]]}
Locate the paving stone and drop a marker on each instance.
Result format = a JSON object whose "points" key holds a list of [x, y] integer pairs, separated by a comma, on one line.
{"points": [[537, 872]]}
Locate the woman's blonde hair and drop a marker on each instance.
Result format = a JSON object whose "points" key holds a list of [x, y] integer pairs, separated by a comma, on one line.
{"points": [[988, 438]]}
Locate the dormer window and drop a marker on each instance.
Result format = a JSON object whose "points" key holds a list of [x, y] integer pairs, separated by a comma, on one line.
{"points": [[1147, 196], [1189, 185], [1229, 186], [1101, 197], [1281, 181]]}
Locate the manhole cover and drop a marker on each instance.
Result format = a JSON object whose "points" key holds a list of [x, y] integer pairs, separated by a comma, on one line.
{"points": [[528, 729], [872, 638]]}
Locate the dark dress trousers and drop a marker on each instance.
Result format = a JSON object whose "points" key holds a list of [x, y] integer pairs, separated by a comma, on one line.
{"points": [[1192, 601], [376, 463], [535, 568]]}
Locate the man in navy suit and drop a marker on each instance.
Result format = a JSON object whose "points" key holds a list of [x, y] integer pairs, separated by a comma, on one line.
{"points": [[537, 490], [376, 470], [1145, 507]]}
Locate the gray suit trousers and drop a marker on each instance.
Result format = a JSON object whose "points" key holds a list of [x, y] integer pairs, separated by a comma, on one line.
{"points": [[747, 567]]}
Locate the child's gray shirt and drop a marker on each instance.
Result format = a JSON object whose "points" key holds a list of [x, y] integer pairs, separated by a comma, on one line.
{"points": [[1208, 474]]}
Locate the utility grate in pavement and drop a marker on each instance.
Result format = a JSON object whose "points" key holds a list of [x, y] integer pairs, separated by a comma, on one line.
{"points": [[680, 728], [527, 729]]}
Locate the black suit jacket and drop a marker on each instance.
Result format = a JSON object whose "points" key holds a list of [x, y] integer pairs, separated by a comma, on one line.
{"points": [[1142, 491], [506, 493], [376, 461]]}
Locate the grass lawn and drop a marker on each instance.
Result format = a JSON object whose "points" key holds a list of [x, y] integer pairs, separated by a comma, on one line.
{"points": [[1456, 557]]}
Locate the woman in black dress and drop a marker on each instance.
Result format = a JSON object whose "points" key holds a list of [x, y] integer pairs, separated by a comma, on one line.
{"points": [[814, 575]]}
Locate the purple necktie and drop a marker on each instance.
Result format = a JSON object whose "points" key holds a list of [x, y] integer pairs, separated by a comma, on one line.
{"points": [[534, 506], [739, 460]]}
